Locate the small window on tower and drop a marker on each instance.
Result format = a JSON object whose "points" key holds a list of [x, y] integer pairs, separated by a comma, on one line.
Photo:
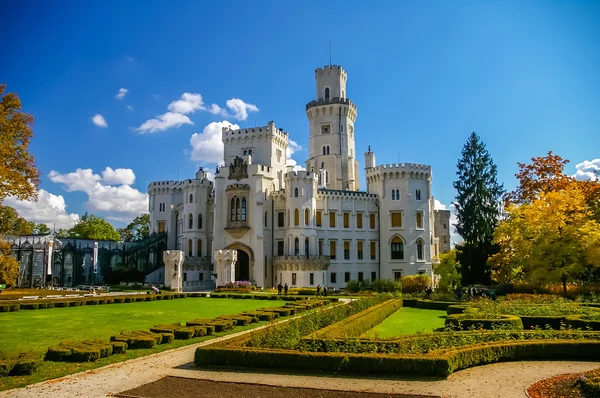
{"points": [[327, 94], [325, 129]]}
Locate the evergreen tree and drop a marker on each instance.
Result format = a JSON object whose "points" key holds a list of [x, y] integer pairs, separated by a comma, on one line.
{"points": [[478, 195]]}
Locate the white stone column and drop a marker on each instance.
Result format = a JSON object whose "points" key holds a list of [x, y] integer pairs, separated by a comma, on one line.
{"points": [[173, 260], [225, 266]]}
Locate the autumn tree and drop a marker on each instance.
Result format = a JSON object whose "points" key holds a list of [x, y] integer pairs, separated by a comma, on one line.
{"points": [[448, 270], [478, 195], [92, 227], [19, 176], [136, 230], [554, 238]]}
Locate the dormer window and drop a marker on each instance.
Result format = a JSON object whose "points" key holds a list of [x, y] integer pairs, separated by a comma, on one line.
{"points": [[327, 94]]}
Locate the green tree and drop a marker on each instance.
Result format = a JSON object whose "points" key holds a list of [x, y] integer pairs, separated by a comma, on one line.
{"points": [[136, 230], [93, 227], [448, 269], [41, 229], [478, 195], [12, 224]]}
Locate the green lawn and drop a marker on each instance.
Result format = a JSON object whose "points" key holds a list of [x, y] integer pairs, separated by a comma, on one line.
{"points": [[36, 330], [408, 321]]}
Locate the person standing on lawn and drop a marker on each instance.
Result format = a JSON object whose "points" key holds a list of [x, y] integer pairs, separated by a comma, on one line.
{"points": [[285, 288], [279, 289], [318, 290]]}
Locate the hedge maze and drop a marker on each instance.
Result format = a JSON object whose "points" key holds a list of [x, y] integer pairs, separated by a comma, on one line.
{"points": [[476, 333]]}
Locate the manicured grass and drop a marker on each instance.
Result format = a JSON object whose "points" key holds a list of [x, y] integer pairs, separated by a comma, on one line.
{"points": [[36, 330], [408, 321]]}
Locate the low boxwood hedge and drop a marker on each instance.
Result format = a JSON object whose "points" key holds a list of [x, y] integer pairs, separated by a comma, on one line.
{"points": [[589, 384], [484, 321], [435, 305], [583, 321], [553, 322], [19, 364], [84, 351]]}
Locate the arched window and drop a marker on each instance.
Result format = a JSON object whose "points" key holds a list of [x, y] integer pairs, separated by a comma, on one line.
{"points": [[397, 194], [393, 194], [199, 221], [306, 246], [233, 209], [199, 250], [328, 149], [397, 248], [418, 194], [324, 149], [419, 249], [190, 246], [306, 216], [296, 192], [191, 198], [243, 209], [191, 221], [296, 217], [296, 247], [327, 94]]}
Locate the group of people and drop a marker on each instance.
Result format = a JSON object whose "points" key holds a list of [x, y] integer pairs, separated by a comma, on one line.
{"points": [[319, 291], [473, 292], [285, 289], [280, 288]]}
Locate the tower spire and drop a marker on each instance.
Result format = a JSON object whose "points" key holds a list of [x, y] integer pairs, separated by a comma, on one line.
{"points": [[330, 53]]}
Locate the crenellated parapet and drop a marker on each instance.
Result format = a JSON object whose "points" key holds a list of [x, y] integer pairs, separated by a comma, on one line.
{"points": [[333, 106], [170, 186], [268, 132], [300, 175], [319, 72], [398, 171], [346, 194]]}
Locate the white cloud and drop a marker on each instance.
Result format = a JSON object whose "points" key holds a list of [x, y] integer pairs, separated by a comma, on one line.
{"points": [[122, 92], [188, 103], [588, 170], [217, 110], [117, 202], [118, 176], [293, 147], [99, 120], [163, 122], [440, 206], [240, 109], [49, 209], [129, 107], [207, 147]]}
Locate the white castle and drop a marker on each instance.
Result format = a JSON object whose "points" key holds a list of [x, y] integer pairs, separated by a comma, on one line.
{"points": [[260, 221]]}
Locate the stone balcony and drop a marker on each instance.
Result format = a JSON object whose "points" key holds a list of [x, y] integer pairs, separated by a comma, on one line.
{"points": [[301, 263], [237, 229]]}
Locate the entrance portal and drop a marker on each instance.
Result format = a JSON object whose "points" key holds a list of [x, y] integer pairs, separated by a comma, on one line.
{"points": [[242, 266]]}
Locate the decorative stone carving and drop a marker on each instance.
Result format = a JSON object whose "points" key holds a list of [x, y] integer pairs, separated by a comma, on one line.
{"points": [[238, 169], [225, 266], [173, 260]]}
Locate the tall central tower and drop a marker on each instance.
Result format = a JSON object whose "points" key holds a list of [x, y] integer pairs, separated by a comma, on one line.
{"points": [[332, 154]]}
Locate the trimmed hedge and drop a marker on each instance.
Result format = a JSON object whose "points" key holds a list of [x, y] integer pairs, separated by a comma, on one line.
{"points": [[466, 321], [530, 322], [456, 309], [20, 364], [84, 351], [580, 322], [435, 305], [589, 384], [357, 324]]}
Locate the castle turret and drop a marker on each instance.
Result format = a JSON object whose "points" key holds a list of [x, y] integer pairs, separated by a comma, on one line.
{"points": [[332, 116]]}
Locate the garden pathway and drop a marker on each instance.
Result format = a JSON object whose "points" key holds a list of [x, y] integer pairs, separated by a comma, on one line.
{"points": [[497, 380]]}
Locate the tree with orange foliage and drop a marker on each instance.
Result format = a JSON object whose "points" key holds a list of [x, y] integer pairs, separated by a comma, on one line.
{"points": [[19, 176]]}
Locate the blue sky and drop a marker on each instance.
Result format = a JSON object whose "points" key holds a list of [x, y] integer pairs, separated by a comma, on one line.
{"points": [[525, 75]]}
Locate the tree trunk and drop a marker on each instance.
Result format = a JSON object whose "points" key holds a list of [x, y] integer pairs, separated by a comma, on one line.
{"points": [[564, 283]]}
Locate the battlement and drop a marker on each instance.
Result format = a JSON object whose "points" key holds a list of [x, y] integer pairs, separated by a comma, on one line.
{"points": [[270, 129], [329, 68], [356, 194], [156, 185], [300, 174], [400, 170], [332, 101]]}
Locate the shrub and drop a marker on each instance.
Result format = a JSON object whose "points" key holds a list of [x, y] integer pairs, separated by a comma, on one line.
{"points": [[119, 347], [91, 302], [29, 306], [58, 353], [483, 320], [589, 383], [19, 364], [386, 286], [415, 283], [184, 333], [434, 305], [583, 321]]}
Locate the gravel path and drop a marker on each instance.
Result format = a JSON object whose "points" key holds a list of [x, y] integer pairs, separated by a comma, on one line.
{"points": [[509, 379]]}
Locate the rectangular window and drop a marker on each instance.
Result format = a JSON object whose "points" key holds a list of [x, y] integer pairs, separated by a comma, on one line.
{"points": [[185, 276], [332, 219], [397, 276], [396, 220], [320, 247], [373, 276], [312, 278], [445, 238], [281, 219], [373, 247], [294, 279], [333, 278], [280, 248], [359, 250], [266, 218], [346, 250], [319, 218], [418, 194], [201, 276], [358, 220], [372, 220], [346, 277], [419, 219], [161, 226], [332, 249], [346, 220], [360, 276]]}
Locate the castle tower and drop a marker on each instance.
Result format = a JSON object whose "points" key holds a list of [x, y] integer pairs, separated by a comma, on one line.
{"points": [[331, 117]]}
